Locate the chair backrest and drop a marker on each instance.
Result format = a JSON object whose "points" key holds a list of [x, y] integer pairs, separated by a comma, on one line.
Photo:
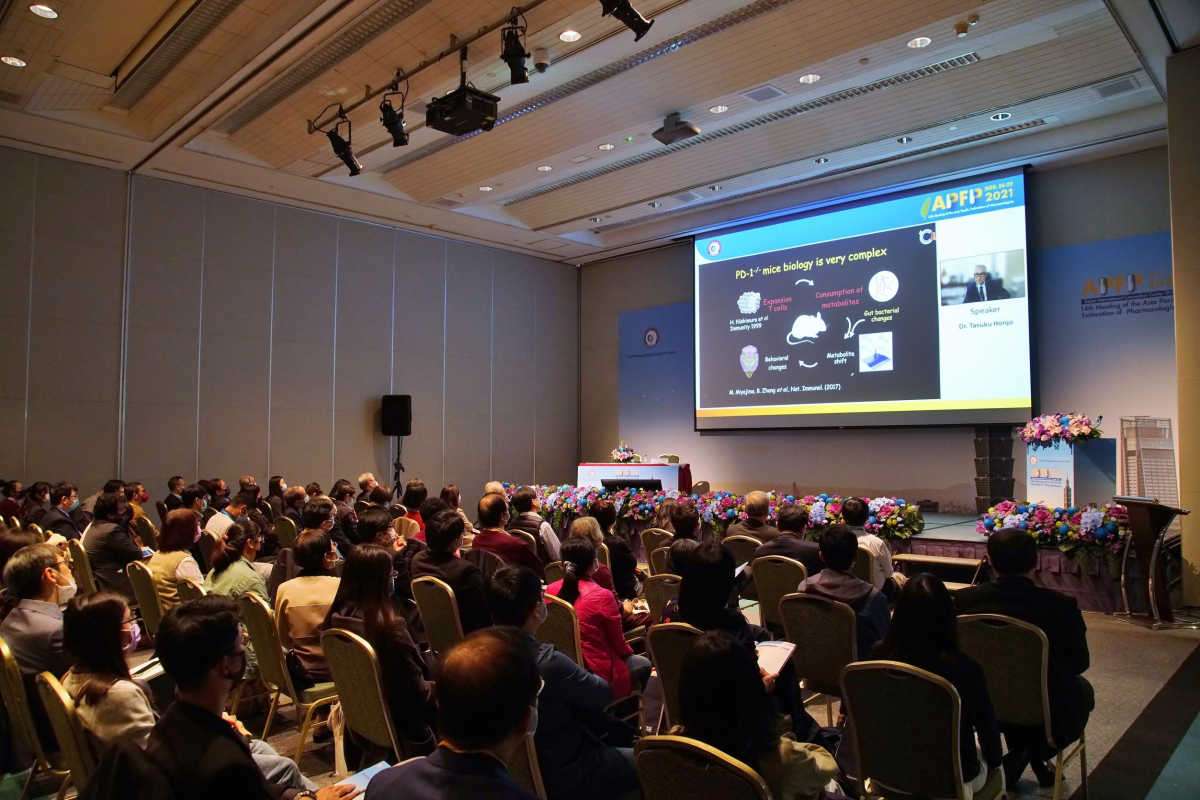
{"points": [[561, 629], [161, 508], [670, 457], [882, 697], [602, 555], [658, 560], [742, 547], [12, 689], [525, 537], [679, 768], [668, 644], [359, 680], [146, 593], [265, 509], [701, 487], [658, 591], [825, 633], [37, 529], [73, 743], [284, 569], [487, 561], [268, 649], [286, 530], [776, 576], [554, 572], [863, 563], [209, 545], [361, 506], [654, 538], [524, 768], [1015, 656], [397, 510], [439, 612], [406, 528], [83, 566], [145, 532], [190, 590]]}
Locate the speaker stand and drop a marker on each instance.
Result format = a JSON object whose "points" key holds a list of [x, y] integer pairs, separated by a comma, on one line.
{"points": [[398, 468]]}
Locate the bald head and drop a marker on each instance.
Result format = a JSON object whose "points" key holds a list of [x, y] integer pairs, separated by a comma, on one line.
{"points": [[493, 508], [486, 685]]}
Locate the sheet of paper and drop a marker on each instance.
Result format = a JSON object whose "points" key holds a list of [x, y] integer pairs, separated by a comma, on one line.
{"points": [[773, 656], [361, 778]]}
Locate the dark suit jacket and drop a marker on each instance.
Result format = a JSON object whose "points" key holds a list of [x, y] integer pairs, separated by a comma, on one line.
{"points": [[34, 632], [347, 520], [35, 513], [793, 546], [1059, 618], [755, 529], [464, 578], [110, 549], [58, 521], [446, 775], [203, 757], [173, 501], [995, 291]]}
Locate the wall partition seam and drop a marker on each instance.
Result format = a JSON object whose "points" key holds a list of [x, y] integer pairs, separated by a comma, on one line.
{"points": [[200, 325], [126, 270], [271, 329], [445, 320], [579, 363], [491, 368], [29, 323], [337, 259], [392, 357]]}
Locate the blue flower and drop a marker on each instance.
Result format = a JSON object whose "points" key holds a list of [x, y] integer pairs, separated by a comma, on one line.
{"points": [[695, 497], [989, 523], [1065, 420], [1022, 509], [1064, 528], [871, 520], [1058, 510], [791, 499], [1073, 510], [1111, 527], [731, 513], [824, 497], [1101, 534], [1023, 525]]}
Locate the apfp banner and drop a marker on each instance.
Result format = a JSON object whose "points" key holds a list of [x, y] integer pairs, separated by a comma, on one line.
{"points": [[1050, 474]]}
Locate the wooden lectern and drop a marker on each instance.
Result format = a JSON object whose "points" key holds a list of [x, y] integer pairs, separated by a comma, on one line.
{"points": [[1148, 524]]}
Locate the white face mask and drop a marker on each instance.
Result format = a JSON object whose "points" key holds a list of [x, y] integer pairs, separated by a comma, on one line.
{"points": [[65, 593]]}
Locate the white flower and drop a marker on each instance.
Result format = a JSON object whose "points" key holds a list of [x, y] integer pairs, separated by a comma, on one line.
{"points": [[1091, 519], [816, 514], [879, 502], [1013, 520]]}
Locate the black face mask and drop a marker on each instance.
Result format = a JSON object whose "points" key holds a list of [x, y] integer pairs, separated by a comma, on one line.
{"points": [[238, 675]]}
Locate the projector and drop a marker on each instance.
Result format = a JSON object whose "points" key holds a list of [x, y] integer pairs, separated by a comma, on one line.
{"points": [[675, 130], [462, 111]]}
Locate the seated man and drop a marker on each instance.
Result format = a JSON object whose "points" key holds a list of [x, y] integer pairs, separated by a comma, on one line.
{"points": [[1012, 592], [493, 514], [685, 519], [755, 525], [294, 498], [487, 693], [137, 496], [443, 536], [174, 498], [575, 764], [526, 504], [855, 514], [220, 521], [110, 545], [320, 514], [366, 482], [839, 549], [203, 752], [64, 498], [342, 495], [793, 520]]}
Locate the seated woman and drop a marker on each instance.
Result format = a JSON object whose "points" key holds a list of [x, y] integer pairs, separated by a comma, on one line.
{"points": [[302, 604], [627, 578], [662, 516], [233, 573], [452, 497], [363, 605], [605, 650], [589, 528], [723, 702], [415, 493], [174, 562], [924, 633]]}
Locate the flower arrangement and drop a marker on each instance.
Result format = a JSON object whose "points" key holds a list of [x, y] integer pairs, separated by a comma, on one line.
{"points": [[1080, 531], [1049, 429], [891, 517], [624, 454]]}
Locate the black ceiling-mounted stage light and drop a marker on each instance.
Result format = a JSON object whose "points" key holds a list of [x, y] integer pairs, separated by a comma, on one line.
{"points": [[512, 48], [624, 11], [342, 148], [393, 120]]}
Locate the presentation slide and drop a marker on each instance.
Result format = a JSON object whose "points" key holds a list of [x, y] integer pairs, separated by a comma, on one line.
{"points": [[908, 308]]}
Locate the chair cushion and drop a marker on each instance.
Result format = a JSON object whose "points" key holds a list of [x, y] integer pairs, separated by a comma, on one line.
{"points": [[320, 691]]}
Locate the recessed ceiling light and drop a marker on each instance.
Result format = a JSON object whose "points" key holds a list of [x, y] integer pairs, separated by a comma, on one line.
{"points": [[12, 61], [597, 219], [919, 42], [1001, 115], [953, 127], [655, 204], [821, 160], [719, 109], [570, 36], [485, 188], [716, 187], [545, 168], [811, 77], [904, 139], [607, 146], [44, 11]]}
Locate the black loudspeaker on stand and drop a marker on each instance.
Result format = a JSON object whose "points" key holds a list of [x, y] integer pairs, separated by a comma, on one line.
{"points": [[396, 420]]}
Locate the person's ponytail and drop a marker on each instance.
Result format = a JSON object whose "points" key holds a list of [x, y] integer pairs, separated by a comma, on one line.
{"points": [[231, 549], [578, 556]]}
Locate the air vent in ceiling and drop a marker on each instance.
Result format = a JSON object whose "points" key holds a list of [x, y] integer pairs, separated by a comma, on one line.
{"points": [[12, 98], [764, 93], [1114, 88], [446, 202], [686, 197]]}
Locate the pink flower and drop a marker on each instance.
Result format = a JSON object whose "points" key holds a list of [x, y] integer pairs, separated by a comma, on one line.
{"points": [[1077, 518], [884, 512], [1005, 508], [834, 508], [980, 527], [1043, 516], [810, 499]]}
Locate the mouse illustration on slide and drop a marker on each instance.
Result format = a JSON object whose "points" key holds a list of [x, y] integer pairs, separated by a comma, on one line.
{"points": [[805, 328]]}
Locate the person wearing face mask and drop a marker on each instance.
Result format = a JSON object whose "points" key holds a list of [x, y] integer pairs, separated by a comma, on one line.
{"points": [[235, 511], [136, 495], [233, 573], [174, 562], [320, 514], [64, 498], [275, 489], [487, 690], [575, 763], [203, 752], [294, 500], [363, 605], [110, 545], [302, 604]]}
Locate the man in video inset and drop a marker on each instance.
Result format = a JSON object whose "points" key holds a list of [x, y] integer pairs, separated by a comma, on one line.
{"points": [[985, 288]]}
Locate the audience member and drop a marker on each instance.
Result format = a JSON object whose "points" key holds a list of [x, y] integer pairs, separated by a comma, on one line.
{"points": [[14, 496], [194, 498], [575, 763], [294, 500], [366, 482], [528, 519], [1013, 555], [275, 489], [838, 551], [174, 498], [111, 486], [415, 493], [375, 527], [12, 540], [110, 545], [430, 506], [173, 563], [218, 493], [233, 510], [493, 514], [203, 752], [363, 605], [443, 536], [685, 521], [723, 702], [662, 515], [345, 519], [493, 487], [621, 561], [487, 694], [245, 482], [755, 525], [320, 515], [302, 603], [452, 497], [855, 514], [37, 503], [924, 633], [136, 496], [589, 528], [678, 554], [605, 650], [313, 490], [252, 496], [792, 522], [380, 496], [233, 573], [64, 498]]}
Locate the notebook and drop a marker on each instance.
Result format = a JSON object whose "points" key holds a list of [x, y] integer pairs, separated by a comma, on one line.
{"points": [[773, 656], [360, 779]]}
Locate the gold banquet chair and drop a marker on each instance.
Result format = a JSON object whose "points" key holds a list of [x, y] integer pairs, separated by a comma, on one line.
{"points": [[825, 633], [668, 644], [83, 566], [602, 555], [1015, 656], [863, 564], [925, 761], [658, 591], [776, 576], [397, 510], [12, 689], [679, 768], [146, 594], [439, 611], [561, 629], [654, 538], [524, 768], [77, 754], [285, 529], [272, 668], [190, 590], [742, 547], [658, 561], [554, 572], [145, 532]]}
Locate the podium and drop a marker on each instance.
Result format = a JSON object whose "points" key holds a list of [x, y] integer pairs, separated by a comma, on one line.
{"points": [[1148, 524]]}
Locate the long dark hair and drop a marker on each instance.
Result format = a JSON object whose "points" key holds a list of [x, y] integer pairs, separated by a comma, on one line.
{"points": [[662, 515], [578, 556], [414, 494], [924, 630], [364, 590], [450, 495], [236, 537], [707, 584], [92, 640], [722, 700], [275, 486]]}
